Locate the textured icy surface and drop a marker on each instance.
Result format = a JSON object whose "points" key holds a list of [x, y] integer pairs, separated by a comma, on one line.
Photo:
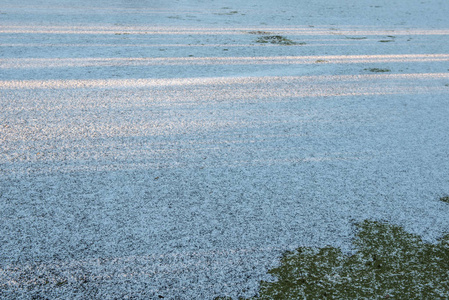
{"points": [[155, 148]]}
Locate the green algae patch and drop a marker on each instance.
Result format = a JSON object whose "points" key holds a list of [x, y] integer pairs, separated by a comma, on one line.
{"points": [[378, 70], [258, 32], [277, 39], [389, 263]]}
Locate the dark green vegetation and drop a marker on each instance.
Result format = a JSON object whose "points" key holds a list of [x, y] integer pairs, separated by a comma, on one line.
{"points": [[389, 263], [377, 70], [391, 39], [445, 199], [228, 13], [277, 39], [259, 32]]}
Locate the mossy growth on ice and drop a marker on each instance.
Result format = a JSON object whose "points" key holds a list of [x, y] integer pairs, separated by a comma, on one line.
{"points": [[388, 263], [277, 39]]}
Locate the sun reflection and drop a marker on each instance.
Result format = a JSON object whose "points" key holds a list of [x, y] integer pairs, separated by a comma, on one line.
{"points": [[12, 63], [174, 30], [223, 81], [151, 123]]}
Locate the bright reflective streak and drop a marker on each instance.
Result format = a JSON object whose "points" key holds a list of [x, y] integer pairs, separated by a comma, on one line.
{"points": [[212, 81], [87, 125], [28, 45], [273, 60], [167, 30]]}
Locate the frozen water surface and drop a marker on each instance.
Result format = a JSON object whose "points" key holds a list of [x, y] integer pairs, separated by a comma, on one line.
{"points": [[155, 148]]}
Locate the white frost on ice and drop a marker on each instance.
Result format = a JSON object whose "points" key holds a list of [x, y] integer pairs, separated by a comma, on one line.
{"points": [[156, 148]]}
